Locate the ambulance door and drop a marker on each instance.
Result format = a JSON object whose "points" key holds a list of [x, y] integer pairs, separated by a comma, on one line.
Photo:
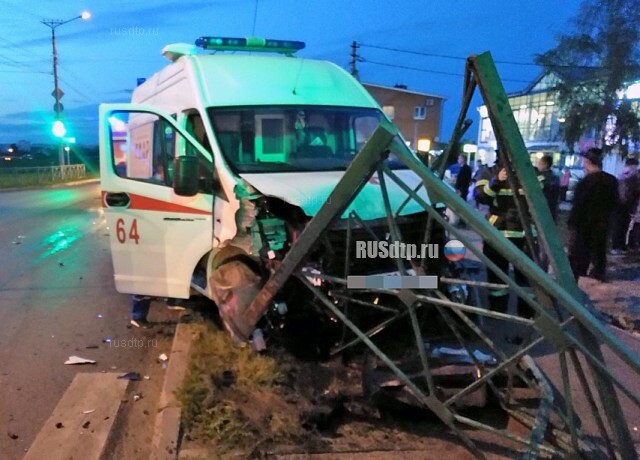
{"points": [[157, 236]]}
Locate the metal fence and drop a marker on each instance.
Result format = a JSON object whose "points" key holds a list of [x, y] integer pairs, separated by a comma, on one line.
{"points": [[11, 177]]}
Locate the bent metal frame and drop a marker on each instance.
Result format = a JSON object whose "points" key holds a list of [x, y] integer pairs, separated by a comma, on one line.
{"points": [[563, 318]]}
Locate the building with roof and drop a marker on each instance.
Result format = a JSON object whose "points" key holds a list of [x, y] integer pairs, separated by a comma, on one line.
{"points": [[417, 115], [540, 121]]}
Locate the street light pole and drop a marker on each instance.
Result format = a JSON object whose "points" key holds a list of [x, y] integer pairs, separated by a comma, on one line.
{"points": [[57, 92]]}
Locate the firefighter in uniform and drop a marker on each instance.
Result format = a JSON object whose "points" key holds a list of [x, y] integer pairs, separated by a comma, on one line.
{"points": [[493, 189]]}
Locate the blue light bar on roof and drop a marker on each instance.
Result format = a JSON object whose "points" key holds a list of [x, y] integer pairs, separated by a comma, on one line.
{"points": [[249, 44]]}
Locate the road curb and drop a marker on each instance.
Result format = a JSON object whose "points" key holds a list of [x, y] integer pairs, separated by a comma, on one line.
{"points": [[166, 432]]}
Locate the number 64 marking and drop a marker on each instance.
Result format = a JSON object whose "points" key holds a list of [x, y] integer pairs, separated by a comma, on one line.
{"points": [[121, 232]]}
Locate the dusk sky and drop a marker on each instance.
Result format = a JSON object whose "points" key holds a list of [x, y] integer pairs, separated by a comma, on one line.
{"points": [[100, 59]]}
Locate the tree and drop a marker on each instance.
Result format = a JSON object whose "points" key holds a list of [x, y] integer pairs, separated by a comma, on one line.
{"points": [[594, 64]]}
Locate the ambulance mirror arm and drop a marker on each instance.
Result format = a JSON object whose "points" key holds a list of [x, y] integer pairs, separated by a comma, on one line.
{"points": [[185, 176]]}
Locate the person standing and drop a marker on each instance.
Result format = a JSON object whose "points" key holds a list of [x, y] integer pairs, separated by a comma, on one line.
{"points": [[480, 167], [633, 233], [550, 184], [477, 174], [551, 190], [463, 180], [629, 193], [565, 178], [595, 197], [493, 189]]}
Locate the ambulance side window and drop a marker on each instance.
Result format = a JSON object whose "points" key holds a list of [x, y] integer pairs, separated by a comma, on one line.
{"points": [[207, 174], [143, 147], [164, 147]]}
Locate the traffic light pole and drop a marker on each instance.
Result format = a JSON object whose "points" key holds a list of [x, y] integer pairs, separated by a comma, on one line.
{"points": [[56, 92]]}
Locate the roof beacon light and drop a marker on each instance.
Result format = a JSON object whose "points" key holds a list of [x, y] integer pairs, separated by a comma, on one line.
{"points": [[249, 44]]}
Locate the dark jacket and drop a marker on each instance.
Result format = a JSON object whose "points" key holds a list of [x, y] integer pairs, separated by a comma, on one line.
{"points": [[479, 172], [503, 213], [464, 179], [629, 188], [551, 190], [596, 196]]}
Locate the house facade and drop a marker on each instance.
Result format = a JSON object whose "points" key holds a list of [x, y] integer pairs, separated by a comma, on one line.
{"points": [[417, 115]]}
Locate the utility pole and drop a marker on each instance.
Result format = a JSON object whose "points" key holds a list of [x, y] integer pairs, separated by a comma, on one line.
{"points": [[354, 59], [57, 92]]}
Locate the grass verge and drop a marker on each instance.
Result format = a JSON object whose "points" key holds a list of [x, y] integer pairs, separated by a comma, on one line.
{"points": [[232, 399]]}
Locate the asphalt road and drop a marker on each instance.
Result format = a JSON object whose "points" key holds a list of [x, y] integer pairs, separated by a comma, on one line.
{"points": [[57, 298]]}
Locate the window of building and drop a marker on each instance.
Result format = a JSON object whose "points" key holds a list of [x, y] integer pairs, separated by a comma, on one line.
{"points": [[389, 111], [419, 112]]}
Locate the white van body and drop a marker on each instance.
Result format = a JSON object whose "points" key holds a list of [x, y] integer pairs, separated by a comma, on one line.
{"points": [[235, 113]]}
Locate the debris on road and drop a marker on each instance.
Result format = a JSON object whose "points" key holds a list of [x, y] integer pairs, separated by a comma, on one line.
{"points": [[90, 411], [137, 397], [460, 355], [79, 360], [163, 357], [258, 343], [130, 376], [134, 323], [86, 424]]}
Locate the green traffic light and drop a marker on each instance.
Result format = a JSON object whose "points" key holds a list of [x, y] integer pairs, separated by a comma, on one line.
{"points": [[58, 129]]}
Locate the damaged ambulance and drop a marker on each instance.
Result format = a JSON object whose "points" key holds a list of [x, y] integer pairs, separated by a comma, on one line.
{"points": [[220, 161]]}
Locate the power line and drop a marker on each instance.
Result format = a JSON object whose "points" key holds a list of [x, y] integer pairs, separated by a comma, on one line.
{"points": [[255, 17], [433, 71], [18, 7], [78, 80], [13, 62], [460, 58], [73, 87], [23, 71], [12, 46]]}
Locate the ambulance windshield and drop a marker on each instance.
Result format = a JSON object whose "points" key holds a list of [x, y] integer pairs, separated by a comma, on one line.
{"points": [[292, 138]]}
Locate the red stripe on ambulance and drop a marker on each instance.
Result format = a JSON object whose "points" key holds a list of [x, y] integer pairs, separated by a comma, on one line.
{"points": [[144, 203]]}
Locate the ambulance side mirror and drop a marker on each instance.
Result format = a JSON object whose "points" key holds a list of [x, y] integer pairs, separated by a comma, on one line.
{"points": [[185, 176]]}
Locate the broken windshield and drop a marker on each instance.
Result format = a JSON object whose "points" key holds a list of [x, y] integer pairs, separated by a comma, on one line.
{"points": [[292, 138]]}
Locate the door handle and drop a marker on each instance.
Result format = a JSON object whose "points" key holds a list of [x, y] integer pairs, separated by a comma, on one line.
{"points": [[117, 199]]}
